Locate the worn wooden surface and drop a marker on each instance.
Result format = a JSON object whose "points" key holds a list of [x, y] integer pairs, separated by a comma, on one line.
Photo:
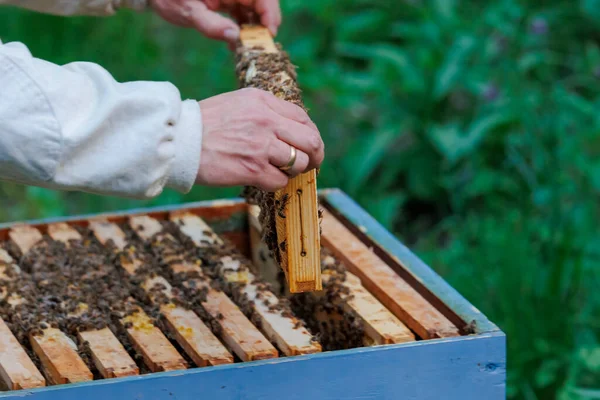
{"points": [[57, 353], [17, 371], [385, 284], [281, 330], [405, 263], [300, 256], [189, 331], [156, 350], [465, 368], [470, 367], [243, 338], [381, 326], [109, 356], [59, 357], [147, 339], [258, 36]]}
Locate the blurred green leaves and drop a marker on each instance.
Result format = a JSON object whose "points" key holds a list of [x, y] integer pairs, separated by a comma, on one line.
{"points": [[454, 144], [469, 128]]}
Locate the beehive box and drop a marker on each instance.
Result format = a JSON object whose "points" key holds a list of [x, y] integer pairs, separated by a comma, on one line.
{"points": [[209, 328]]}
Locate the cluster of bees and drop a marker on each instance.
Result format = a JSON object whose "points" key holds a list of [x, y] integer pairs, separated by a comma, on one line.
{"points": [[80, 286]]}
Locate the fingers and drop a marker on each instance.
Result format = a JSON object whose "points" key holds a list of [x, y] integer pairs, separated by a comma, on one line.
{"points": [[288, 110], [270, 14], [212, 24], [304, 138], [272, 179], [280, 155], [290, 124]]}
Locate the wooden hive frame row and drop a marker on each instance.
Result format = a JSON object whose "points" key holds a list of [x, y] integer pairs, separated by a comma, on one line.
{"points": [[147, 339], [237, 332], [245, 305], [281, 329], [294, 225], [188, 329], [386, 318]]}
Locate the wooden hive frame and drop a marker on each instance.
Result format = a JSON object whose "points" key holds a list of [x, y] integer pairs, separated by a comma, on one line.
{"points": [[469, 367], [59, 360], [158, 353], [280, 329], [17, 371], [188, 329], [108, 354], [237, 332], [297, 214], [380, 325]]}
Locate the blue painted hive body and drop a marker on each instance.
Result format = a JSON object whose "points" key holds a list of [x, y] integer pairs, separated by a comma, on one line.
{"points": [[468, 365]]}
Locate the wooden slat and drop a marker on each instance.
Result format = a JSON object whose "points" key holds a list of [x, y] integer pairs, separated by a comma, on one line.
{"points": [[144, 226], [383, 282], [188, 329], [191, 333], [156, 350], [108, 354], [59, 357], [17, 371], [106, 231], [281, 330], [57, 353], [381, 326], [197, 339], [257, 36], [238, 333], [243, 338], [25, 237], [62, 232], [300, 256]]}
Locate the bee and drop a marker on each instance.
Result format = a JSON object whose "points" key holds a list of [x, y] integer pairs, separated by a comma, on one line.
{"points": [[282, 204]]}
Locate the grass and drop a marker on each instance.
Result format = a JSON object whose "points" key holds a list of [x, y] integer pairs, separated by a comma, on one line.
{"points": [[470, 129]]}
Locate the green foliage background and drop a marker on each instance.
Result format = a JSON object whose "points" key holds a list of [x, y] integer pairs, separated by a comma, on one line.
{"points": [[469, 128]]}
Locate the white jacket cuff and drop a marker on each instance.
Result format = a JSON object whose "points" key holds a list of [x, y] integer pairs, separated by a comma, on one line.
{"points": [[188, 145]]}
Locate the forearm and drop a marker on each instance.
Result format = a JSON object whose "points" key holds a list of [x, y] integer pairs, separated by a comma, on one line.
{"points": [[75, 128], [77, 7]]}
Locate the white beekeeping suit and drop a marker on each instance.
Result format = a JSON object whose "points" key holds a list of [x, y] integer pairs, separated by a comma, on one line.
{"points": [[73, 127]]}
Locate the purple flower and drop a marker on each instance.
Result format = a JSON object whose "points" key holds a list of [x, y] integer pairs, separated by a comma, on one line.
{"points": [[491, 92], [539, 26]]}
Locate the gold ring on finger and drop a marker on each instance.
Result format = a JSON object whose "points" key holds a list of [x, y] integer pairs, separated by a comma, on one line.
{"points": [[292, 161]]}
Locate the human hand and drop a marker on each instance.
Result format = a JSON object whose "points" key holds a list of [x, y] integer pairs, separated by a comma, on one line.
{"points": [[203, 15], [247, 136]]}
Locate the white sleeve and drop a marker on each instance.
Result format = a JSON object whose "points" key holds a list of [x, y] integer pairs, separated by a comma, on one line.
{"points": [[74, 127], [77, 7]]}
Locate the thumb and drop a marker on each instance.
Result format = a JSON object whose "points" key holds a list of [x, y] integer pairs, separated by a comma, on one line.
{"points": [[212, 24]]}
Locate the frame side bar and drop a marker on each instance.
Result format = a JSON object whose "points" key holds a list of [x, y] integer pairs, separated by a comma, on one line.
{"points": [[432, 286]]}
